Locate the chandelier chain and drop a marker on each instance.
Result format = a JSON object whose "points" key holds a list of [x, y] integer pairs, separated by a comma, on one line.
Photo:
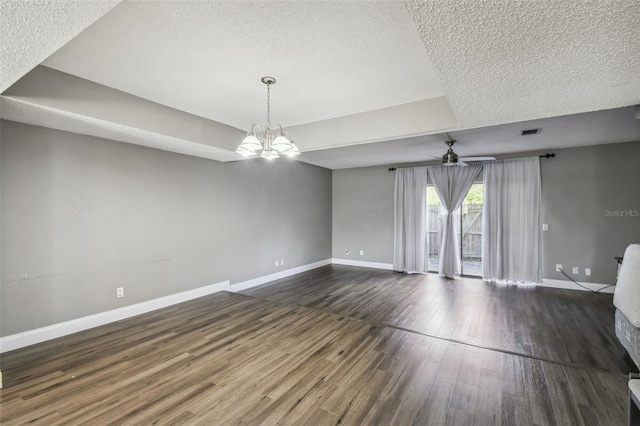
{"points": [[269, 105]]}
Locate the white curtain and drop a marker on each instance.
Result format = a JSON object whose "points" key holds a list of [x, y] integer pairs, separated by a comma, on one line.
{"points": [[452, 185], [511, 249], [409, 220]]}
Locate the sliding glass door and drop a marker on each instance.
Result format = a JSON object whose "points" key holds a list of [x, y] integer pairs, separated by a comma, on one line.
{"points": [[435, 227], [468, 229]]}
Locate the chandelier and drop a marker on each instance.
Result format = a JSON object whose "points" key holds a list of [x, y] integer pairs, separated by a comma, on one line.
{"points": [[272, 141]]}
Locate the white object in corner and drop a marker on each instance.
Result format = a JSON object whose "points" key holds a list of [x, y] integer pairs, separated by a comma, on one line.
{"points": [[363, 264], [31, 337], [278, 275]]}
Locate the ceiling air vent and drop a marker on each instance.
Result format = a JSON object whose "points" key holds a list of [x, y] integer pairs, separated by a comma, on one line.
{"points": [[529, 132]]}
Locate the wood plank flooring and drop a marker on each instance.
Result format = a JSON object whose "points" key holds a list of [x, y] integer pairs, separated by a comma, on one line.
{"points": [[349, 349], [570, 327]]}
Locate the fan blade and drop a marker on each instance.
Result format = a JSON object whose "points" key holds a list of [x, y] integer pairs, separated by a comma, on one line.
{"points": [[461, 164], [477, 159]]}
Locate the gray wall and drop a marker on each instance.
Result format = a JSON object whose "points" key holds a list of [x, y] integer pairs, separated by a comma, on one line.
{"points": [[578, 185], [82, 216], [363, 214]]}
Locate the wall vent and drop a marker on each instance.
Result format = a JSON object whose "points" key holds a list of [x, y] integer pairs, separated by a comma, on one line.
{"points": [[529, 132]]}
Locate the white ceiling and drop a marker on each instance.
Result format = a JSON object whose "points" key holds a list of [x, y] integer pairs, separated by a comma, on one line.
{"points": [[33, 31], [330, 58], [591, 128], [507, 61], [350, 73]]}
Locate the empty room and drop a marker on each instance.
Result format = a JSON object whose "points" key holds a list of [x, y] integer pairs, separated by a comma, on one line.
{"points": [[320, 212]]}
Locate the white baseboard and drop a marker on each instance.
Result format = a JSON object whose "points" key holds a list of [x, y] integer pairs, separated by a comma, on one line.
{"points": [[362, 263], [31, 337], [568, 285], [278, 275]]}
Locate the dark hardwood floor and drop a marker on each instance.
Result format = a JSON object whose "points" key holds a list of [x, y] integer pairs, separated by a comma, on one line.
{"points": [[336, 345], [567, 326]]}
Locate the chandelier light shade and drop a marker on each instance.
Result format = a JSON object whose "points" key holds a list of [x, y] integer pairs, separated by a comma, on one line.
{"points": [[272, 142]]}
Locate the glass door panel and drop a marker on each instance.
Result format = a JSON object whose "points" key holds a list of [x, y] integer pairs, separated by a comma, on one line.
{"points": [[471, 230], [468, 223], [435, 227]]}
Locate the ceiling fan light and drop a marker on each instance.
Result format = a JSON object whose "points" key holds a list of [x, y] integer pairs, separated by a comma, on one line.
{"points": [[450, 158]]}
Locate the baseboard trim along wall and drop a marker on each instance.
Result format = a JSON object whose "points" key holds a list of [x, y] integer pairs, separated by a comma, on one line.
{"points": [[278, 275], [362, 263], [569, 285], [31, 337], [562, 284]]}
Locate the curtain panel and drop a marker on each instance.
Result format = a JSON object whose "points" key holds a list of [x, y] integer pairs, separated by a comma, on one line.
{"points": [[511, 244], [409, 213], [452, 185]]}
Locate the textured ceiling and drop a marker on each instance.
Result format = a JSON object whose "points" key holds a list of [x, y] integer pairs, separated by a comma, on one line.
{"points": [[591, 128], [31, 31], [330, 58], [373, 77], [39, 115], [508, 61]]}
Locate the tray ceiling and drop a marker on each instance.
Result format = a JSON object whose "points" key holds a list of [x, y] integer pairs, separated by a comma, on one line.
{"points": [[350, 73]]}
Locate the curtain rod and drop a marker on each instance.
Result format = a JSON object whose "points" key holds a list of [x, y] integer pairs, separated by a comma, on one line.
{"points": [[547, 155]]}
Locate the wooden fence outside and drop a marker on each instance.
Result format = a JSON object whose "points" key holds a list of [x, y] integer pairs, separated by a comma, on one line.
{"points": [[471, 231]]}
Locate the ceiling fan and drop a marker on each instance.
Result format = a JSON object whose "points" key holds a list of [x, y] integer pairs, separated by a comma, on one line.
{"points": [[450, 158]]}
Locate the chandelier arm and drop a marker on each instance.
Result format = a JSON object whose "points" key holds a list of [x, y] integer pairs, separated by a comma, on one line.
{"points": [[254, 126]]}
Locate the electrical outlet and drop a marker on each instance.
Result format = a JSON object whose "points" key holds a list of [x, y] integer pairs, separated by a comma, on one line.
{"points": [[575, 270], [558, 267], [587, 271], [545, 226], [276, 262], [361, 252], [346, 251], [281, 262], [119, 292]]}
